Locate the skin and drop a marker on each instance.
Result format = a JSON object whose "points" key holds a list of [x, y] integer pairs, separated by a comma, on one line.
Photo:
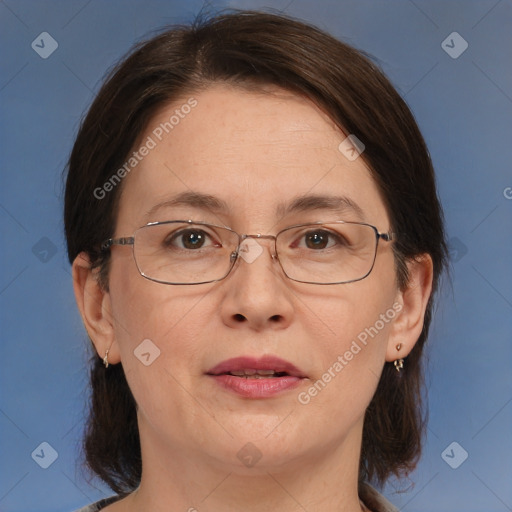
{"points": [[253, 150]]}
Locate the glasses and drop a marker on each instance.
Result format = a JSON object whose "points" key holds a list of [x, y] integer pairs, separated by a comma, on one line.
{"points": [[182, 252]]}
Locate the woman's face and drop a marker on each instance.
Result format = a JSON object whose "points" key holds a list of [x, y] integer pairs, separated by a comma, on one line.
{"points": [[256, 153]]}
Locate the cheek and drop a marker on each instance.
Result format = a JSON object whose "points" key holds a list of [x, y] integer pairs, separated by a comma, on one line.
{"points": [[157, 319], [350, 328], [349, 370], [159, 329], [355, 331], [361, 311]]}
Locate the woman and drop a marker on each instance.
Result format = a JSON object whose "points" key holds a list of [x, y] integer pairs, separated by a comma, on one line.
{"points": [[256, 240]]}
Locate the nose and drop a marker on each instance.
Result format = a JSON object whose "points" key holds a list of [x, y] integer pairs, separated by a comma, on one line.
{"points": [[256, 293]]}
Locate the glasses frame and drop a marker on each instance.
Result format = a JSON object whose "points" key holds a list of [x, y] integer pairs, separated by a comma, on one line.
{"points": [[386, 237]]}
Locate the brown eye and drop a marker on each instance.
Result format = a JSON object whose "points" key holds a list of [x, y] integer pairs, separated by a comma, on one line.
{"points": [[320, 239], [317, 240], [193, 239], [189, 239]]}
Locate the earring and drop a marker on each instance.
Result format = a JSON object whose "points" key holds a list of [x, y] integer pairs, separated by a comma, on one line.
{"points": [[105, 359], [399, 363]]}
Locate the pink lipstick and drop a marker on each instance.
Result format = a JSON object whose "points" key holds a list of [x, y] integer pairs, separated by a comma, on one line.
{"points": [[256, 377]]}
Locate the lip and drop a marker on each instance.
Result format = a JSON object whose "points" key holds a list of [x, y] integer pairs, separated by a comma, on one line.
{"points": [[267, 362], [256, 387]]}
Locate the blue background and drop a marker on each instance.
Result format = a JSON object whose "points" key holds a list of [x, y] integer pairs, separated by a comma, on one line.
{"points": [[463, 107]]}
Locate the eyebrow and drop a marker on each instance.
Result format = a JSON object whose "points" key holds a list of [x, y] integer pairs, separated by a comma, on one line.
{"points": [[194, 199], [337, 204]]}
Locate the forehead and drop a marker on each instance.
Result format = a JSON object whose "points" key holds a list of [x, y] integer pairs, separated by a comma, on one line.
{"points": [[255, 151]]}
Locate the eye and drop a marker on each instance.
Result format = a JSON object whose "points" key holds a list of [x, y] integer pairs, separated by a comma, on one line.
{"points": [[319, 239], [190, 239]]}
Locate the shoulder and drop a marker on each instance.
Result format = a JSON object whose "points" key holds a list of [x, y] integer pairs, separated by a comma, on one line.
{"points": [[95, 507], [373, 500]]}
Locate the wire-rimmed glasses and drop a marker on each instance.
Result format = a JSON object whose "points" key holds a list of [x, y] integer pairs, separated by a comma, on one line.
{"points": [[183, 252]]}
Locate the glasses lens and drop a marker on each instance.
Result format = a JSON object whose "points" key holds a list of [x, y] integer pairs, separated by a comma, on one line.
{"points": [[327, 253], [184, 253]]}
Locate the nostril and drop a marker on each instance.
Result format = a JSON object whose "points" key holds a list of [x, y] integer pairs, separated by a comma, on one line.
{"points": [[239, 318], [276, 318]]}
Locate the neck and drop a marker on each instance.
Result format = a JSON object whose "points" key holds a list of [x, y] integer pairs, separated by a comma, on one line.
{"points": [[185, 479]]}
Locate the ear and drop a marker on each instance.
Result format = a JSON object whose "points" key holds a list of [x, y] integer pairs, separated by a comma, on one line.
{"points": [[95, 308], [411, 303]]}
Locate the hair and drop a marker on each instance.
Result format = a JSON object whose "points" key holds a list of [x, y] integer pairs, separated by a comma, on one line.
{"points": [[255, 50]]}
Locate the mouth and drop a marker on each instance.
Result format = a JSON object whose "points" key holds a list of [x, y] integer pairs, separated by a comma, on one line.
{"points": [[251, 373], [257, 368], [256, 377]]}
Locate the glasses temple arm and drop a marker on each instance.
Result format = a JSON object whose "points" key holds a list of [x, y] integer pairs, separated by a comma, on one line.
{"points": [[117, 241], [388, 237]]}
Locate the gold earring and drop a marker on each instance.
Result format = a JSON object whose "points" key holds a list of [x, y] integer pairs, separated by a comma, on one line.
{"points": [[399, 363], [105, 359]]}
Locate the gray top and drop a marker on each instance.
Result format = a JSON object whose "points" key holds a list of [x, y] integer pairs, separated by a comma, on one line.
{"points": [[94, 507], [372, 499]]}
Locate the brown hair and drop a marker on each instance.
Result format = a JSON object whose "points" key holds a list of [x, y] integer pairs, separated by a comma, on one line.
{"points": [[251, 49]]}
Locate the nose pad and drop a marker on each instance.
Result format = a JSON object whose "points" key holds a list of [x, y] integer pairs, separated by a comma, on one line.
{"points": [[251, 249]]}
